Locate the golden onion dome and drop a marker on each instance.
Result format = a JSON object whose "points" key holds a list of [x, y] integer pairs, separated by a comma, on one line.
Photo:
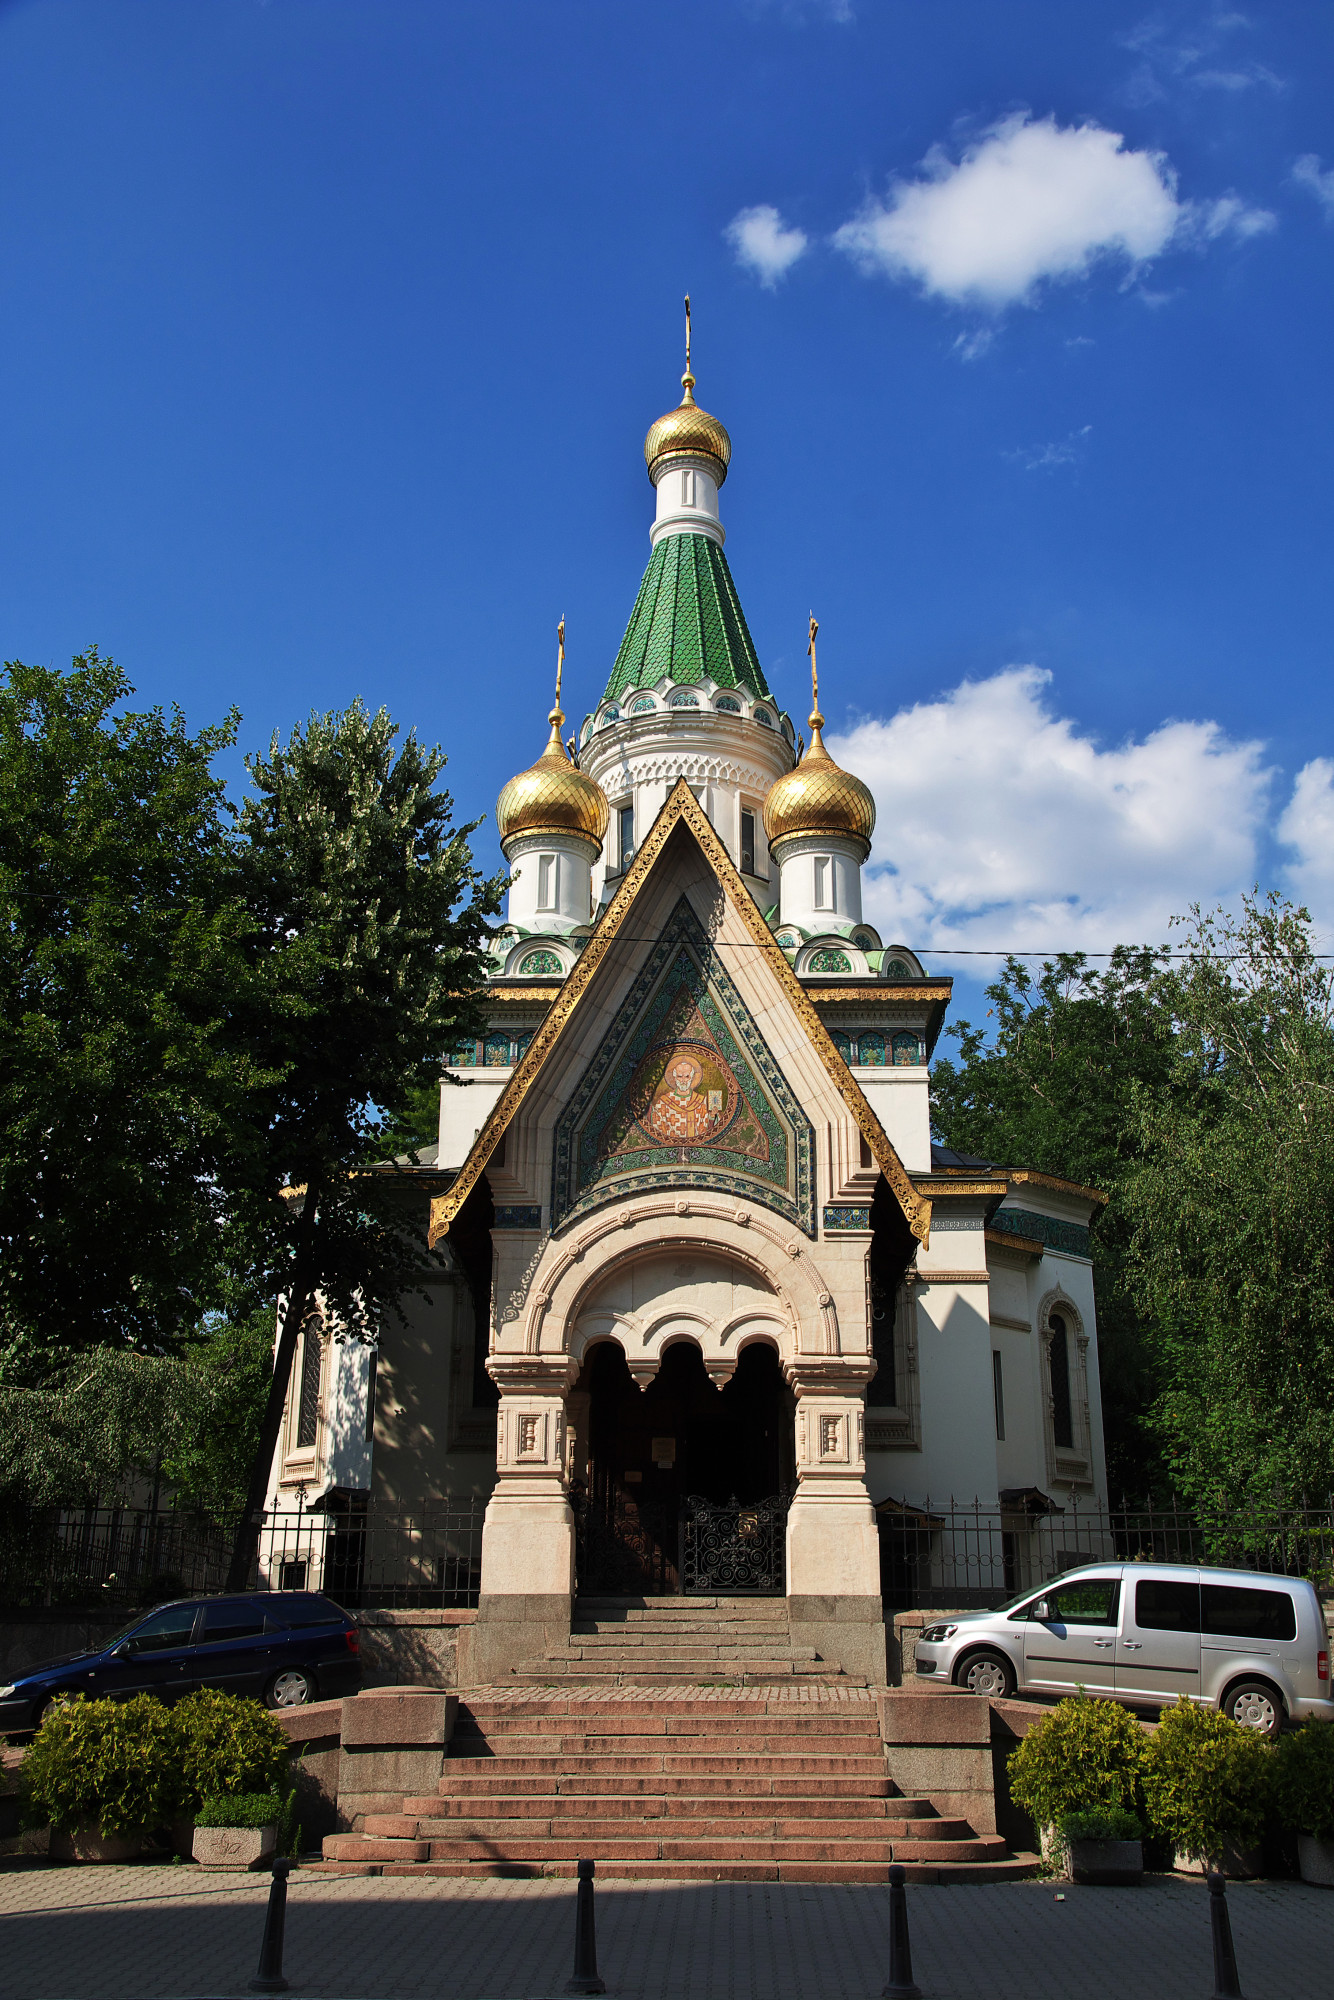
{"points": [[688, 431], [819, 797], [552, 797]]}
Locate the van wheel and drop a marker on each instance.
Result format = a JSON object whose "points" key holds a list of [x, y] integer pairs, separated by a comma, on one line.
{"points": [[1256, 1705], [986, 1673], [292, 1688]]}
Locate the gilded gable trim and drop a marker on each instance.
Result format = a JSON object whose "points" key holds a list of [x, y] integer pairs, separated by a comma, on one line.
{"points": [[681, 806]]}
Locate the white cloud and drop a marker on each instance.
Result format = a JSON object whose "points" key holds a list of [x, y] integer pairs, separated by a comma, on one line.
{"points": [[1234, 80], [764, 244], [1307, 173], [1307, 826], [1228, 216], [1030, 201], [1002, 824], [1045, 457]]}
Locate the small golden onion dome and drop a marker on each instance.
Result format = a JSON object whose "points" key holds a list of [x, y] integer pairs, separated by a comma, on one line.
{"points": [[552, 797], [819, 797], [688, 430]]}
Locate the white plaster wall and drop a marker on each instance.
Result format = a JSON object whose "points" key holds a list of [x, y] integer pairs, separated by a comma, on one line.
{"points": [[843, 877], [1074, 1276], [570, 874], [901, 1100], [958, 1455], [347, 1449], [687, 501], [464, 1109]]}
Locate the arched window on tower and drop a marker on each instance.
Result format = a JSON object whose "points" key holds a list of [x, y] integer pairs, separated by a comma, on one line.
{"points": [[1062, 1413], [308, 1408]]}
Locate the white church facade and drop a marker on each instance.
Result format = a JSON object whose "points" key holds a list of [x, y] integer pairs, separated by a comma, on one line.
{"points": [[710, 1308]]}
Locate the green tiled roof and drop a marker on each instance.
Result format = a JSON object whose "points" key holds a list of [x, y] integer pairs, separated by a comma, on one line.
{"points": [[687, 623]]}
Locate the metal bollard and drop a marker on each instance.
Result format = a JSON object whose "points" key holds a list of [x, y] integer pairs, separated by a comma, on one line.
{"points": [[1226, 1984], [900, 1985], [269, 1978], [585, 1978]]}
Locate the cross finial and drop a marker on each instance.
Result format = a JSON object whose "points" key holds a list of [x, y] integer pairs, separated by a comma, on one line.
{"points": [[816, 717], [556, 716], [688, 379]]}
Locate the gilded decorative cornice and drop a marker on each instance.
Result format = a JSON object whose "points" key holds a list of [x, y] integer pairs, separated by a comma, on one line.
{"points": [[682, 807], [1029, 1178], [899, 994], [935, 1186]]}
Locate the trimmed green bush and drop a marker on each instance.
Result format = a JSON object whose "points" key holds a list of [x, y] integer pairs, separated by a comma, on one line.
{"points": [[1304, 1780], [1084, 1754], [113, 1764], [246, 1809], [1101, 1823], [1207, 1781], [227, 1746]]}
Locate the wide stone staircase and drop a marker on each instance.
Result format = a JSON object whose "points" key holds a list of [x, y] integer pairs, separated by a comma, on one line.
{"points": [[697, 1641], [682, 1740]]}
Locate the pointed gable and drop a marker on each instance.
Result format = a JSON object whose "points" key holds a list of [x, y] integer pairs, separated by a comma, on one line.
{"points": [[682, 960], [684, 1091]]}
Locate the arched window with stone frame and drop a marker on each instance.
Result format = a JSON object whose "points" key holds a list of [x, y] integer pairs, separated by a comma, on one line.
{"points": [[1064, 1349]]}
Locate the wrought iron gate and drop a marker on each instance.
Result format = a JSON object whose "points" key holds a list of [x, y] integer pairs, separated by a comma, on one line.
{"points": [[705, 1548], [734, 1550]]}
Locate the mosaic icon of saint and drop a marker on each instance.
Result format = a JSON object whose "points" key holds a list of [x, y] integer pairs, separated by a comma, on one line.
{"points": [[680, 1111]]}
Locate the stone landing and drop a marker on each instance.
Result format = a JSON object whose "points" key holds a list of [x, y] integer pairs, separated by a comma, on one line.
{"points": [[689, 1641]]}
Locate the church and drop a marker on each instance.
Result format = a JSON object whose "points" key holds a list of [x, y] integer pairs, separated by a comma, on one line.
{"points": [[710, 1308]]}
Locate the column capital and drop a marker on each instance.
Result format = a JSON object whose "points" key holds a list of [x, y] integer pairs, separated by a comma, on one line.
{"points": [[533, 1374], [829, 1374]]}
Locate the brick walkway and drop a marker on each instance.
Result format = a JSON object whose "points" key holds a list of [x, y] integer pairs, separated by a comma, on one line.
{"points": [[163, 1933]]}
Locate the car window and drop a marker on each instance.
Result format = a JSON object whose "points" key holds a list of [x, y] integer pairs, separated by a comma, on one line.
{"points": [[171, 1626], [284, 1612], [1240, 1613], [1163, 1606], [1092, 1602], [228, 1619]]}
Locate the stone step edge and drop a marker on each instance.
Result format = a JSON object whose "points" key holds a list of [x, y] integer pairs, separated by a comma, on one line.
{"points": [[1015, 1868]]}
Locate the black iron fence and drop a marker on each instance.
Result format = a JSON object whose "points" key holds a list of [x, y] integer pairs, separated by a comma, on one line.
{"points": [[122, 1557], [954, 1556]]}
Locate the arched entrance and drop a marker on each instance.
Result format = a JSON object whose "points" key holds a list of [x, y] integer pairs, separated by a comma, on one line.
{"points": [[686, 1485]]}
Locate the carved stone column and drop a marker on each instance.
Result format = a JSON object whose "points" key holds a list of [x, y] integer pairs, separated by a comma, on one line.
{"points": [[833, 1550], [528, 1536]]}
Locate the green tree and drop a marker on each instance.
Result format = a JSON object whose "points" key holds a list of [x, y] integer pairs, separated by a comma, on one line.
{"points": [[371, 924], [1055, 1083], [119, 954], [1232, 1211]]}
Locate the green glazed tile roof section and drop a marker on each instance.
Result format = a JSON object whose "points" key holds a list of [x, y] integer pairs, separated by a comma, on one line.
{"points": [[687, 624]]}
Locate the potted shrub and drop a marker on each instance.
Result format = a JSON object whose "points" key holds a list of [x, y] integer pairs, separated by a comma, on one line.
{"points": [[1207, 1787], [1304, 1795], [1083, 1755], [237, 1832], [101, 1774], [1103, 1846], [226, 1746]]}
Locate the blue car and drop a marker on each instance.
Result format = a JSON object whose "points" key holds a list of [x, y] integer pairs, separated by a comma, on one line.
{"points": [[285, 1646]]}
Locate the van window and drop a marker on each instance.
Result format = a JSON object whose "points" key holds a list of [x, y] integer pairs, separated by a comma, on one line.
{"points": [[1240, 1613], [1161, 1606], [1092, 1602]]}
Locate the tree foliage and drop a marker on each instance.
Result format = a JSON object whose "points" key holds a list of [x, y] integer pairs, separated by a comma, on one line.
{"points": [[1055, 1085], [1232, 1208], [119, 1086]]}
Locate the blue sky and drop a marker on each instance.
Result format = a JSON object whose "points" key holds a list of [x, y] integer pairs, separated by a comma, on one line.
{"points": [[332, 329]]}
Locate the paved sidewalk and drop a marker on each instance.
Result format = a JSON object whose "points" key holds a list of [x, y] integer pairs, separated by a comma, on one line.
{"points": [[163, 1933]]}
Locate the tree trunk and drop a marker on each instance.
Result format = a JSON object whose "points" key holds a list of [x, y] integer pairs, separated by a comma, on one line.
{"points": [[245, 1542]]}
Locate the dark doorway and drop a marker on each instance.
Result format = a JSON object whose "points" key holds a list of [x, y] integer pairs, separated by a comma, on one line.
{"points": [[681, 1462]]}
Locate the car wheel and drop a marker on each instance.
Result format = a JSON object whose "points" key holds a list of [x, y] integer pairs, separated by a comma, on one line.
{"points": [[987, 1674], [292, 1688], [45, 1708], [1255, 1705]]}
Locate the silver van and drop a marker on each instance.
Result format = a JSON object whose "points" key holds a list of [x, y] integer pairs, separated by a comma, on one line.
{"points": [[1144, 1633]]}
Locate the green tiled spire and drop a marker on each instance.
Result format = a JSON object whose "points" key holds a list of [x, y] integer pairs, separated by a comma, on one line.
{"points": [[687, 623]]}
